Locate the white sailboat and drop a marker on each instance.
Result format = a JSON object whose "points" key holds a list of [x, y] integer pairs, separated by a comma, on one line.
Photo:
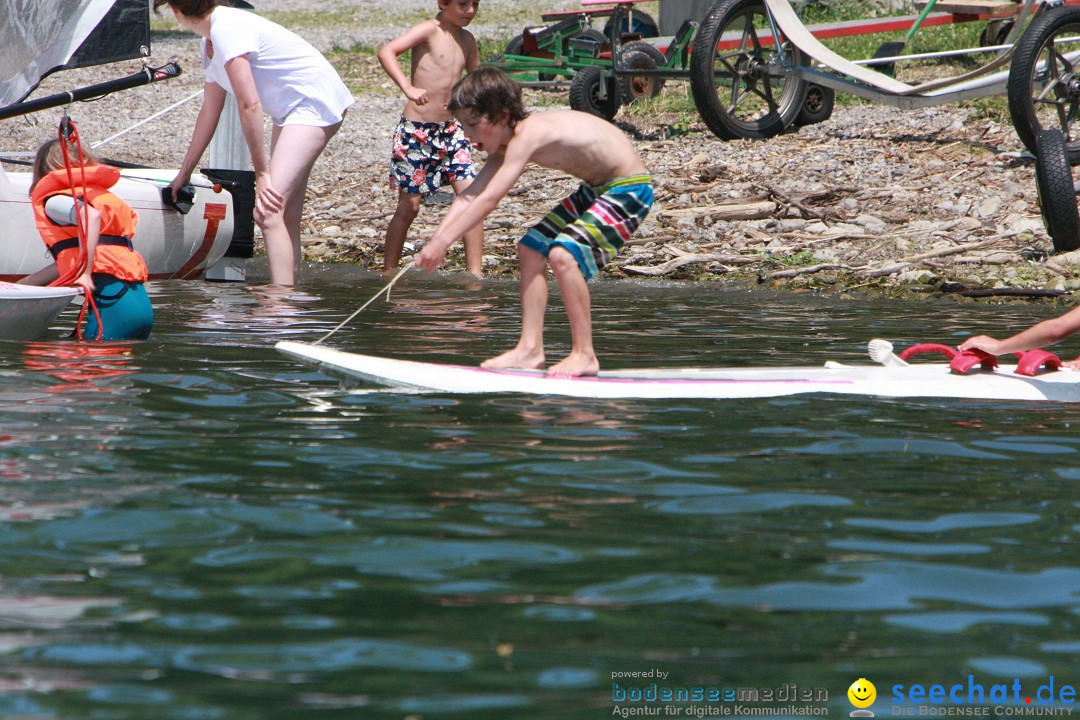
{"points": [[177, 241]]}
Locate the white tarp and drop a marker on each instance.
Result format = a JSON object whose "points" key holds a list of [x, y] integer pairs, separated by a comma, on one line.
{"points": [[37, 36]]}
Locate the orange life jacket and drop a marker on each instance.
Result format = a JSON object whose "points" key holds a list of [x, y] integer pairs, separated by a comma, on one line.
{"points": [[114, 254]]}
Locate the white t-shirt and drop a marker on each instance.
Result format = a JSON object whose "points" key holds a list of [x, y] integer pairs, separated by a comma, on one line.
{"points": [[290, 75]]}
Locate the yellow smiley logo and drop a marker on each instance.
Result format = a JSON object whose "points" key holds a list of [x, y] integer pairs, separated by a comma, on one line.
{"points": [[862, 693]]}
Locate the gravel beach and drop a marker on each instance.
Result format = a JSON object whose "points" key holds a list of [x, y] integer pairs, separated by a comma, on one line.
{"points": [[936, 199]]}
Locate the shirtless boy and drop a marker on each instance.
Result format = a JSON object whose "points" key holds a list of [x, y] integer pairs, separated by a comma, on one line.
{"points": [[578, 237], [430, 149]]}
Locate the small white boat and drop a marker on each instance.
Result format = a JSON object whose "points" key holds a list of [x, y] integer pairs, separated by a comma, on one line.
{"points": [[27, 311], [924, 380]]}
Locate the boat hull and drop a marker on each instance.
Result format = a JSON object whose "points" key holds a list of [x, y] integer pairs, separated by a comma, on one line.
{"points": [[174, 245], [26, 311], [922, 380]]}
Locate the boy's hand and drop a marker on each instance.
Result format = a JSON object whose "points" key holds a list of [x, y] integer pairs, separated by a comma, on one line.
{"points": [[430, 257], [417, 95]]}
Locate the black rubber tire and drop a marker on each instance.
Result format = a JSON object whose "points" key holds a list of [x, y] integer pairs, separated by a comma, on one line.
{"points": [[995, 32], [817, 106], [642, 24], [1061, 106], [640, 56], [756, 105], [515, 46], [585, 92], [1057, 194]]}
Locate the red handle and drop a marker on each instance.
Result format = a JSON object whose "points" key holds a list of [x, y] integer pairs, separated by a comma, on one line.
{"points": [[946, 350], [1030, 362], [968, 359]]}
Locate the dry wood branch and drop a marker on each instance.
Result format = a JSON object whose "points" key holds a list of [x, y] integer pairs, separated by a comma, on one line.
{"points": [[733, 211], [905, 263], [777, 192], [671, 265], [807, 270]]}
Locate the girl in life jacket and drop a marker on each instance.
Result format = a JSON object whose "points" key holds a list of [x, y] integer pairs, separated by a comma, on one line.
{"points": [[114, 273]]}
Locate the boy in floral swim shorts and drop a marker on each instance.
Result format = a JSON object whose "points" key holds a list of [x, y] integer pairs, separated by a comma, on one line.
{"points": [[430, 149]]}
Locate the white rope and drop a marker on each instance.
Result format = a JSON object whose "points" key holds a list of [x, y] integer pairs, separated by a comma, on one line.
{"points": [[385, 288], [172, 107]]}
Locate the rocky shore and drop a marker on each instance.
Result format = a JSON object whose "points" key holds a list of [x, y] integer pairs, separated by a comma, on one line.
{"points": [[939, 199]]}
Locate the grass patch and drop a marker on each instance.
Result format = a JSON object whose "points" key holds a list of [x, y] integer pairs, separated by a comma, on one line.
{"points": [[799, 259]]}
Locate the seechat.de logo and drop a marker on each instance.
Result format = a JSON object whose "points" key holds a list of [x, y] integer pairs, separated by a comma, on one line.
{"points": [[862, 694]]}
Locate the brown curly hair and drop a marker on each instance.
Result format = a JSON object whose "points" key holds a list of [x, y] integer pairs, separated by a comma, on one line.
{"points": [[489, 92]]}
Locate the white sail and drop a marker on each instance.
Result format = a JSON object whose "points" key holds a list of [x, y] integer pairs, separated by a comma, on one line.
{"points": [[39, 36]]}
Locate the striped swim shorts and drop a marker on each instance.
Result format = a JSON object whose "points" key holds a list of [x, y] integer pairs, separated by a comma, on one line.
{"points": [[594, 222]]}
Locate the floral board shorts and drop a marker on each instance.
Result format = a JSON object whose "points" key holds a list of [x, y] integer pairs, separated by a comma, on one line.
{"points": [[428, 155], [594, 222]]}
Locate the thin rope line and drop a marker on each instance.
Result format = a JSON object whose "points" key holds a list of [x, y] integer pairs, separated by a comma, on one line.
{"points": [[385, 288], [172, 107]]}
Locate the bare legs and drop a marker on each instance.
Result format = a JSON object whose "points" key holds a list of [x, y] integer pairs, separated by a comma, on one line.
{"points": [[408, 207], [529, 352], [474, 238], [575, 292], [289, 173]]}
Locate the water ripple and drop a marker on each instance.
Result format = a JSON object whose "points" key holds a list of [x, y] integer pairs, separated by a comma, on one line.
{"points": [[946, 523], [414, 558], [269, 662], [746, 503], [954, 622], [878, 586]]}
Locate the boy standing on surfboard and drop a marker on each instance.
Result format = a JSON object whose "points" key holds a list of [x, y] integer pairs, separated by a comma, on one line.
{"points": [[429, 148], [578, 237]]}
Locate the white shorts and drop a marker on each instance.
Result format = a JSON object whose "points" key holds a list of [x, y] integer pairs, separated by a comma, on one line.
{"points": [[313, 115]]}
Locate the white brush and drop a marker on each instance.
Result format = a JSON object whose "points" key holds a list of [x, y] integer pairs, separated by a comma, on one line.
{"points": [[881, 351]]}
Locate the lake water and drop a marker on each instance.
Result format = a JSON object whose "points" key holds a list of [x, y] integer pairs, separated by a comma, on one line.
{"points": [[197, 527]]}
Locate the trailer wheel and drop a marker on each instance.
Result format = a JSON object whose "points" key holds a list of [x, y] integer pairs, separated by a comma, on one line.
{"points": [[1044, 79], [818, 105], [642, 24], [1057, 194], [640, 56], [995, 32], [594, 92], [740, 87]]}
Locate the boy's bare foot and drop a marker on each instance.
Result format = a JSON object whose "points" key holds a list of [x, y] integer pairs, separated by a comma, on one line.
{"points": [[575, 365], [515, 359]]}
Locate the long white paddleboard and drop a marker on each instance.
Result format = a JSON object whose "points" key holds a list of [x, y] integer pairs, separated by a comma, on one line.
{"points": [[921, 380]]}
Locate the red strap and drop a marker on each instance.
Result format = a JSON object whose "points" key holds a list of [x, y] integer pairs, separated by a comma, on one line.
{"points": [[68, 133], [968, 359], [88, 301], [946, 350], [1030, 362]]}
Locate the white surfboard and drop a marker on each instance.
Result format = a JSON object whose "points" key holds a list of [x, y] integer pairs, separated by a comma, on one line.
{"points": [[917, 380]]}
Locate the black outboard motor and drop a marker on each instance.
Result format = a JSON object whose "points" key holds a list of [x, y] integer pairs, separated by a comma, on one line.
{"points": [[241, 185]]}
